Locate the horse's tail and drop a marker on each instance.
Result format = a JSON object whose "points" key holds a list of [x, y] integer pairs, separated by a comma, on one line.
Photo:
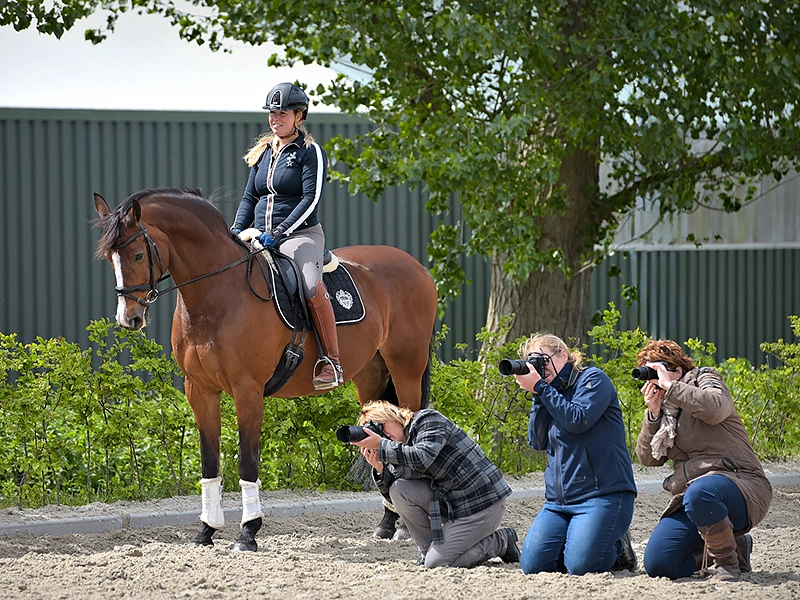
{"points": [[425, 398]]}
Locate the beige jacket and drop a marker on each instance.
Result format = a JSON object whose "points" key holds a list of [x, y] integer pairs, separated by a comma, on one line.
{"points": [[711, 440]]}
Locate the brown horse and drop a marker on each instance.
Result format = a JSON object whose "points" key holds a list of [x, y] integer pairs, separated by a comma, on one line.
{"points": [[225, 336]]}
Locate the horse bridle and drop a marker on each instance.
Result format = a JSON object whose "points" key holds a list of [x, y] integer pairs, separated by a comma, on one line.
{"points": [[152, 287], [153, 293]]}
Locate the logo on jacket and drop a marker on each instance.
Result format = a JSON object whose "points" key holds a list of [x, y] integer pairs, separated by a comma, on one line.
{"points": [[344, 298], [291, 158]]}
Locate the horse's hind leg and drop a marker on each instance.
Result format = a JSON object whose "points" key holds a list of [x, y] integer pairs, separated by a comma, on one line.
{"points": [[371, 381], [408, 367]]}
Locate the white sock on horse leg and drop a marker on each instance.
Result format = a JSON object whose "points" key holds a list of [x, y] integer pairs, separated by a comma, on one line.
{"points": [[212, 513], [251, 501]]}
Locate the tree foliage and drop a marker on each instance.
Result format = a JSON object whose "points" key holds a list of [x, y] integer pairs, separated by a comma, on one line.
{"points": [[511, 107]]}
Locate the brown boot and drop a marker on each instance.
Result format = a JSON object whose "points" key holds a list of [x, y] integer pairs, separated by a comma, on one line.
{"points": [[744, 546], [701, 559], [330, 371], [722, 548]]}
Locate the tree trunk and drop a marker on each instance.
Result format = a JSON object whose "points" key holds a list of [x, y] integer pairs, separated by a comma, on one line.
{"points": [[550, 301], [544, 302]]}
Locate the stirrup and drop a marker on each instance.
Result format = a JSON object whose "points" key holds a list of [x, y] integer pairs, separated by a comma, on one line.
{"points": [[322, 384]]}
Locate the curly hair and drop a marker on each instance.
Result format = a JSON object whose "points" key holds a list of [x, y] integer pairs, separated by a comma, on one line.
{"points": [[665, 351], [555, 343], [383, 412]]}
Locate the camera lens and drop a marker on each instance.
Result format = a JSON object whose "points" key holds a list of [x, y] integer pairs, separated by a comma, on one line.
{"points": [[513, 367], [644, 373], [350, 433]]}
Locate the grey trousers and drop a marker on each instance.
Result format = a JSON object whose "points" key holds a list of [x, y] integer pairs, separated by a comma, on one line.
{"points": [[468, 541], [306, 247]]}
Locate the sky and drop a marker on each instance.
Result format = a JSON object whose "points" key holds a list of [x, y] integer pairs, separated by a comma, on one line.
{"points": [[144, 65]]}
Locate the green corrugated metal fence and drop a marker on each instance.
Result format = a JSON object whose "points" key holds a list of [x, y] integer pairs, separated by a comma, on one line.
{"points": [[52, 160], [735, 298]]}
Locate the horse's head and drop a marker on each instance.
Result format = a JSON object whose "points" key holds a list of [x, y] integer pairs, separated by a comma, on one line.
{"points": [[135, 257]]}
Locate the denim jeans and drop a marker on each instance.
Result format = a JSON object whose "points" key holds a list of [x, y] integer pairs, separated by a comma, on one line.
{"points": [[707, 500], [578, 538]]}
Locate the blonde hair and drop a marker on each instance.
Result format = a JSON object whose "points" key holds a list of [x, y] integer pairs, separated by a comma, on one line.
{"points": [[382, 412], [556, 345], [257, 149]]}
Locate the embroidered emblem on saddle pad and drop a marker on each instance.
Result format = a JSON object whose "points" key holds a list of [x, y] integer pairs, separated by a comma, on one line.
{"points": [[346, 301]]}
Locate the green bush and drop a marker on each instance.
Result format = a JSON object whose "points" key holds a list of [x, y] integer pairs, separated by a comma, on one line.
{"points": [[108, 423], [767, 399], [491, 408]]}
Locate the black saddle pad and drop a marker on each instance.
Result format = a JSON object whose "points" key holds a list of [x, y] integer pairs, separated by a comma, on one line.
{"points": [[348, 306]]}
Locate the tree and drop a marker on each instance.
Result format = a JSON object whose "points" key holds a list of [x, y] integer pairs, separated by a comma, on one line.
{"points": [[511, 107]]}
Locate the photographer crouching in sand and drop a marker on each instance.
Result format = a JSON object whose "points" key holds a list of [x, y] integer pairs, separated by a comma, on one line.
{"points": [[450, 495]]}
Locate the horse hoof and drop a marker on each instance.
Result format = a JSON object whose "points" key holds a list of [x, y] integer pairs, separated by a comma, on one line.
{"points": [[203, 537], [245, 546], [383, 533], [401, 532]]}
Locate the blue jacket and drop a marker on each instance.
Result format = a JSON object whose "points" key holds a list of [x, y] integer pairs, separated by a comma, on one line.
{"points": [[581, 428], [284, 197]]}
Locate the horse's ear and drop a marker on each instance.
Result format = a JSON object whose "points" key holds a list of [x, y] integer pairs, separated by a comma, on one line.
{"points": [[101, 206], [131, 218]]}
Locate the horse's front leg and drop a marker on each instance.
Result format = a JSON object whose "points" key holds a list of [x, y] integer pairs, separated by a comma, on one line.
{"points": [[249, 414], [205, 406]]}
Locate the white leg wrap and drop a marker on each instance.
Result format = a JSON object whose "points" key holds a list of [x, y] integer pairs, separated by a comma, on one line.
{"points": [[212, 514], [251, 501]]}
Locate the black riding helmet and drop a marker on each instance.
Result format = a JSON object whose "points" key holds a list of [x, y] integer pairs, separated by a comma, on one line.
{"points": [[287, 96]]}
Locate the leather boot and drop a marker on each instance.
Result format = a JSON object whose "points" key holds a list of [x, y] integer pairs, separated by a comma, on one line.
{"points": [[744, 546], [327, 370], [722, 548], [701, 559]]}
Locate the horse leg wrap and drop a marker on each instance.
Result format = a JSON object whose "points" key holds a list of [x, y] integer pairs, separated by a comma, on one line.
{"points": [[251, 501], [212, 514]]}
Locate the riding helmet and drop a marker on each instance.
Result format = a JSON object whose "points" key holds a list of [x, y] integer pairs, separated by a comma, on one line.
{"points": [[287, 96]]}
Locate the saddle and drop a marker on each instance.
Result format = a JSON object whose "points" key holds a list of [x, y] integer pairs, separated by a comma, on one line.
{"points": [[284, 282], [283, 278]]}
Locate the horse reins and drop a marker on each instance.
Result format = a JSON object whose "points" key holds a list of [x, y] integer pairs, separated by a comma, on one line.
{"points": [[153, 293]]}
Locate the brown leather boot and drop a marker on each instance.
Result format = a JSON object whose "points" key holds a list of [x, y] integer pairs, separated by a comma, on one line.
{"points": [[327, 371], [744, 546], [722, 548]]}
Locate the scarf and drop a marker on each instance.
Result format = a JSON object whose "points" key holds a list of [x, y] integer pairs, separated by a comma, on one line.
{"points": [[664, 438]]}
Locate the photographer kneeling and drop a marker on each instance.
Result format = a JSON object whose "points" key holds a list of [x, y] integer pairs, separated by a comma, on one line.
{"points": [[589, 489], [719, 489], [450, 495]]}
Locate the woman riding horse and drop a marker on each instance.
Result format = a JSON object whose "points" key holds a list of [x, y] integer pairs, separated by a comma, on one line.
{"points": [[287, 174], [227, 334]]}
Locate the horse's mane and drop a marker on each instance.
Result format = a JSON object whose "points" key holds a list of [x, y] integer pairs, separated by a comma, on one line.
{"points": [[111, 224]]}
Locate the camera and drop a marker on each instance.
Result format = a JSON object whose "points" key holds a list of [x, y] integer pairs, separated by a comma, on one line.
{"points": [[647, 373], [356, 433], [509, 366]]}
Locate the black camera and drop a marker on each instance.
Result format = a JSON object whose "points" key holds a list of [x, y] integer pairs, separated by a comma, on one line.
{"points": [[647, 373], [356, 433], [509, 366]]}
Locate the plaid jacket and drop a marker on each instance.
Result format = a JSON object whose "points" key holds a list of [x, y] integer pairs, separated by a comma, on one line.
{"points": [[463, 479]]}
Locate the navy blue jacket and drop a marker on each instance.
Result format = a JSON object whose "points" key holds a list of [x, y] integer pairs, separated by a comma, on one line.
{"points": [[581, 429], [284, 196]]}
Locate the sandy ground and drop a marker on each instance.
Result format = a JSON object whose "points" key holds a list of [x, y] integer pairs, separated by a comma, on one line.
{"points": [[312, 556]]}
